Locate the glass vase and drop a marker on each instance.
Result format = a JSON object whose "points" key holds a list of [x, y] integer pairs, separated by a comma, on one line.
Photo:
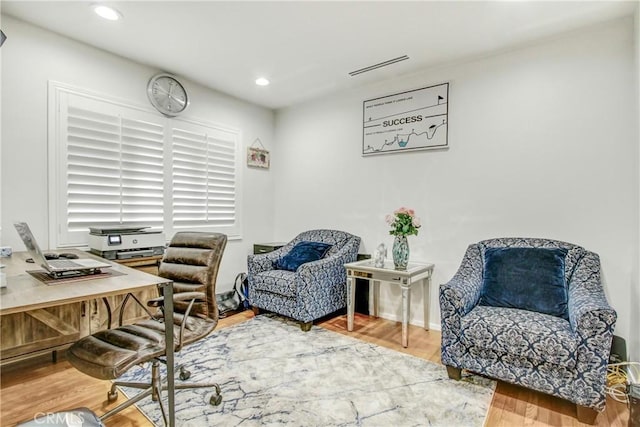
{"points": [[400, 252]]}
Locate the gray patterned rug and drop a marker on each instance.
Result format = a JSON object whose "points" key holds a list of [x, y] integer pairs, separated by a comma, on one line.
{"points": [[271, 374]]}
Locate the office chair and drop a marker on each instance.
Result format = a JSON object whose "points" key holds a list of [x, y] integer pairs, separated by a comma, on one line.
{"points": [[191, 261]]}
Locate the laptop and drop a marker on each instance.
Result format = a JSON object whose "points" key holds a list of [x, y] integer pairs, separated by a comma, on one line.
{"points": [[57, 268]]}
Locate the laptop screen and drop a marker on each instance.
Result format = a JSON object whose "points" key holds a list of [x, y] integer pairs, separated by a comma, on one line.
{"points": [[30, 242]]}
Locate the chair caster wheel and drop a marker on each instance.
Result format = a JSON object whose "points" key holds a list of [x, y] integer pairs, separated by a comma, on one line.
{"points": [[112, 396], [215, 399], [184, 375]]}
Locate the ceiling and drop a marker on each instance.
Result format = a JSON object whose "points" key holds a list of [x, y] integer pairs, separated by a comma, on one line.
{"points": [[308, 48]]}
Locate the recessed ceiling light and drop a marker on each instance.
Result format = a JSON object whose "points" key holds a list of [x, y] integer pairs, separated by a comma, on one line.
{"points": [[262, 81], [107, 12]]}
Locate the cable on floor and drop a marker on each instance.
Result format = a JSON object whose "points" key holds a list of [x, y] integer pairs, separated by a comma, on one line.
{"points": [[619, 376]]}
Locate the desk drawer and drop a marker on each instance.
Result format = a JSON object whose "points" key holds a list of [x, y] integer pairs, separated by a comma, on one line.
{"points": [[41, 329]]}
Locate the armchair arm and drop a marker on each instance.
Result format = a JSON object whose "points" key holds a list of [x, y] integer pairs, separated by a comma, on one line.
{"points": [[257, 263], [462, 292], [327, 272], [591, 316], [592, 319], [457, 298]]}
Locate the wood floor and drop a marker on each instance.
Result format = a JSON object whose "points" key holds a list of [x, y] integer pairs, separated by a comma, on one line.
{"points": [[40, 386]]}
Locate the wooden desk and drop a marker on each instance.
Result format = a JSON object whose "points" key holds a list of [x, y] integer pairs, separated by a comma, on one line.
{"points": [[33, 299], [415, 273], [148, 264]]}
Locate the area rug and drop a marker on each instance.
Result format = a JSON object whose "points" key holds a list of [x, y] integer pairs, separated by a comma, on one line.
{"points": [[272, 374]]}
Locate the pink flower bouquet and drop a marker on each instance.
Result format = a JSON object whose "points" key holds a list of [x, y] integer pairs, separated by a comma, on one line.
{"points": [[403, 222]]}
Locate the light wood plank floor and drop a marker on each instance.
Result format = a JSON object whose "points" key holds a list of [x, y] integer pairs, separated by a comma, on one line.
{"points": [[37, 385]]}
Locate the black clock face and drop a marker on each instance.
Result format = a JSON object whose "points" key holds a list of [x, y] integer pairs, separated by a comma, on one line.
{"points": [[167, 95]]}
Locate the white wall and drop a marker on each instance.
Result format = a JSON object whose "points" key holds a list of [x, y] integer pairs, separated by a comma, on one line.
{"points": [[542, 143], [32, 56], [1, 50], [634, 290]]}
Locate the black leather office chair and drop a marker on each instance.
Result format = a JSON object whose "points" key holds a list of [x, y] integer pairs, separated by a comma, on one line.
{"points": [[191, 261]]}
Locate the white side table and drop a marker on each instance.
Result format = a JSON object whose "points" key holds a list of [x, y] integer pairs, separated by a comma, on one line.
{"points": [[415, 273]]}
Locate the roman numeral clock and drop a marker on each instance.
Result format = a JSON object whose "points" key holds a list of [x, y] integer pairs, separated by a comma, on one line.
{"points": [[167, 94]]}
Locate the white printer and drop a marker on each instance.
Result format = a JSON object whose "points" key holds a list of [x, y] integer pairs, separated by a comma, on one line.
{"points": [[125, 242]]}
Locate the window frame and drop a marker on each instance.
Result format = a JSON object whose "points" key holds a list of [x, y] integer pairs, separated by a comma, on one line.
{"points": [[57, 164]]}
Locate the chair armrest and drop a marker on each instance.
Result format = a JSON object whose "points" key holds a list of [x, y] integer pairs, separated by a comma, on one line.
{"points": [[182, 319], [462, 293], [457, 298], [592, 319], [257, 263], [589, 312], [326, 272], [197, 297]]}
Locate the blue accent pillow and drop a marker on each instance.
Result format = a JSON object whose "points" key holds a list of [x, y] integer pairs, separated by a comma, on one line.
{"points": [[301, 253], [526, 278]]}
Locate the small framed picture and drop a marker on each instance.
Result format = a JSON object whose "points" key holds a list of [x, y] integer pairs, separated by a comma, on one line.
{"points": [[257, 158]]}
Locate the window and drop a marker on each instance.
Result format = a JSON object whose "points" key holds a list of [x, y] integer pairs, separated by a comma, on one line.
{"points": [[203, 176], [113, 164]]}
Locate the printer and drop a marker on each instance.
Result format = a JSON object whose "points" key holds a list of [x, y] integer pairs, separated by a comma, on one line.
{"points": [[120, 242]]}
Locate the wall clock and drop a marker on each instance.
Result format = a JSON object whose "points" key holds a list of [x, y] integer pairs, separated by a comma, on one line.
{"points": [[167, 94]]}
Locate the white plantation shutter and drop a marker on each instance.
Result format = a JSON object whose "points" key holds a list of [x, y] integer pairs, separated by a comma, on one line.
{"points": [[93, 169], [114, 170], [142, 163], [204, 177], [115, 164]]}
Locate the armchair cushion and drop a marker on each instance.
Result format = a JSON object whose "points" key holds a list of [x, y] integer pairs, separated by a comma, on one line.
{"points": [[526, 278], [302, 253], [520, 333], [281, 282]]}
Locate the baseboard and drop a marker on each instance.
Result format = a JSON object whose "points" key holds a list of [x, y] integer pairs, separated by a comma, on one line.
{"points": [[396, 318]]}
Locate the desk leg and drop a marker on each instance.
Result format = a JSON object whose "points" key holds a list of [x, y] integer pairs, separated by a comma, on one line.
{"points": [[426, 300], [351, 296], [167, 292], [406, 303]]}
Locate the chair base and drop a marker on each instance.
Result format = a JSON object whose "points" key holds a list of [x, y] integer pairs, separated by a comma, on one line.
{"points": [[154, 389]]}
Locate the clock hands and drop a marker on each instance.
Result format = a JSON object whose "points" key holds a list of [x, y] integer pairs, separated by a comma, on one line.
{"points": [[178, 100], [167, 95]]}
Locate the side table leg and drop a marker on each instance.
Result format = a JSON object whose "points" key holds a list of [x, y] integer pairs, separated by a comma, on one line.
{"points": [[406, 303], [426, 300], [351, 296], [376, 296]]}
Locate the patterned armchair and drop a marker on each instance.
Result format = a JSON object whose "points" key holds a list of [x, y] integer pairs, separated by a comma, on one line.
{"points": [[314, 290], [562, 357]]}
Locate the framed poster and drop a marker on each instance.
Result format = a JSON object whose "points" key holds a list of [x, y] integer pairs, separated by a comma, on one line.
{"points": [[407, 121]]}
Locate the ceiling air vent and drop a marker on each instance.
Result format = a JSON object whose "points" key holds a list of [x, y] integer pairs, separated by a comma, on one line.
{"points": [[379, 65]]}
